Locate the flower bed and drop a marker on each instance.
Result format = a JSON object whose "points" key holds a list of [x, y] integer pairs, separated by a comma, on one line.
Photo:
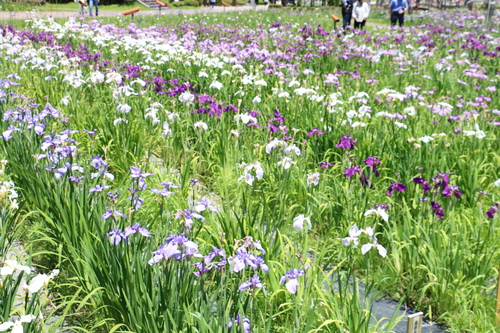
{"points": [[232, 173]]}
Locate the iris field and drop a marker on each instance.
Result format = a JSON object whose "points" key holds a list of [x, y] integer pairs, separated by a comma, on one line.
{"points": [[243, 172]]}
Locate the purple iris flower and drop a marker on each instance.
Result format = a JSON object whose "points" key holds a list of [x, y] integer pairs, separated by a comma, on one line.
{"points": [[239, 260], [384, 207], [441, 180], [136, 201], [97, 162], [7, 134], [136, 228], [351, 171], [75, 179], [178, 247], [244, 259], [207, 265], [116, 236], [240, 320], [346, 142], [425, 184], [438, 210], [365, 181], [452, 190], [165, 251], [372, 162], [51, 111], [188, 217], [491, 212], [214, 253], [395, 186], [61, 171], [325, 164], [98, 188], [292, 276], [137, 173], [315, 131], [249, 243], [91, 133], [203, 204], [169, 185], [39, 128], [254, 282], [110, 213], [163, 192], [257, 262]]}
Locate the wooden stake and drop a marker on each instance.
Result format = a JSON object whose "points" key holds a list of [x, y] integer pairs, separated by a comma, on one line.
{"points": [[415, 323]]}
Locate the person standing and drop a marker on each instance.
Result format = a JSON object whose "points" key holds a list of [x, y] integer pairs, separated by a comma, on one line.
{"points": [[212, 3], [397, 9], [94, 3], [347, 6], [81, 5], [360, 13]]}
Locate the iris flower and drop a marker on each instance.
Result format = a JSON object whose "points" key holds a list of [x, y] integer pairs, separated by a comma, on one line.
{"points": [[379, 211], [299, 221], [368, 246], [292, 276]]}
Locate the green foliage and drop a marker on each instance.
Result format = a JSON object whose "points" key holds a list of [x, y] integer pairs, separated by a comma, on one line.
{"points": [[193, 3], [443, 266]]}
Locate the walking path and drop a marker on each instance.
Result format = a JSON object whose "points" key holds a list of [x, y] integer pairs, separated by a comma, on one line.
{"points": [[105, 13]]}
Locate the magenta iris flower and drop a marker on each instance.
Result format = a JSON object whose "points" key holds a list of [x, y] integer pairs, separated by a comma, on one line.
{"points": [[325, 164], [438, 210], [351, 171], [425, 184], [441, 180], [395, 187], [346, 142], [315, 131], [491, 212], [372, 162], [452, 190]]}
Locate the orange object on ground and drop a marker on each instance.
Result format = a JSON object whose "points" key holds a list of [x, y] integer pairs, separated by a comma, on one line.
{"points": [[161, 3], [335, 18], [131, 11]]}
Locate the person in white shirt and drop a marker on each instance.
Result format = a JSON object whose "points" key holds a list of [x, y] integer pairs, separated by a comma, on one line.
{"points": [[360, 14]]}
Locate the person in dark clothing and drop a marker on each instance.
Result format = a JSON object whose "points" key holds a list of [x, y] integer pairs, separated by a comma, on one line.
{"points": [[398, 9], [347, 6]]}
